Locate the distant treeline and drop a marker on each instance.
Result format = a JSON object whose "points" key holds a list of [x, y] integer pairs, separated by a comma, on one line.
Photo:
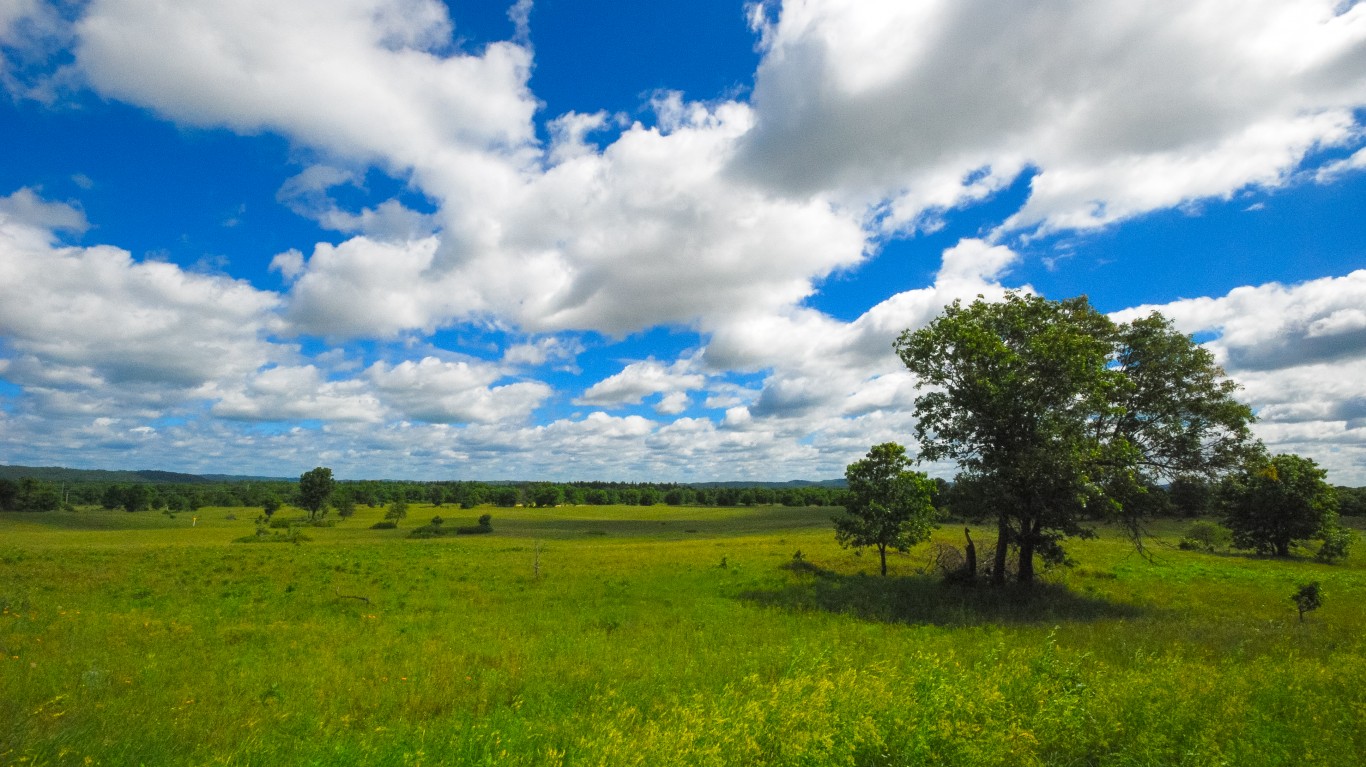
{"points": [[33, 494], [27, 493]]}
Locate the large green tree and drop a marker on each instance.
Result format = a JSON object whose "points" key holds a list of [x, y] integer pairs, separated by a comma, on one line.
{"points": [[315, 487], [889, 505], [1060, 414], [1275, 503]]}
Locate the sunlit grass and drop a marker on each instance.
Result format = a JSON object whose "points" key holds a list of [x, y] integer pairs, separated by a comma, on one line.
{"points": [[621, 635]]}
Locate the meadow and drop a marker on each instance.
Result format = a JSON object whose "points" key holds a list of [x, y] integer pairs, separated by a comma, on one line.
{"points": [[653, 636]]}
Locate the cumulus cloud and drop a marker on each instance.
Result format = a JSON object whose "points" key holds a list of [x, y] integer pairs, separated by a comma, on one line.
{"points": [[297, 392], [95, 320], [1275, 326], [360, 78], [642, 379], [437, 391], [1299, 351], [1118, 109]]}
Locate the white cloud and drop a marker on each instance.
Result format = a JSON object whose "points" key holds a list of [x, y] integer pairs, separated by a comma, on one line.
{"points": [[673, 403], [360, 78], [31, 33], [298, 392], [437, 391], [1334, 170], [642, 379], [1121, 108], [543, 350], [106, 323], [42, 218], [1299, 351], [1274, 326]]}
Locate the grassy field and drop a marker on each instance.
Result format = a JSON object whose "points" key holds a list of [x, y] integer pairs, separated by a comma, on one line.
{"points": [[652, 636]]}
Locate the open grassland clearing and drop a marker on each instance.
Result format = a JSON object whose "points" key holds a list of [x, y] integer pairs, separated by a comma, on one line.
{"points": [[660, 635]]}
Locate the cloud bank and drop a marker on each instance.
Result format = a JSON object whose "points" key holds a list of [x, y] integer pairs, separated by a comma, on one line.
{"points": [[867, 123]]}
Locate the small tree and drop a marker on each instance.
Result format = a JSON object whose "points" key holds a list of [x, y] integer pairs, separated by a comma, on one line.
{"points": [[270, 505], [315, 487], [1307, 598], [889, 505], [1273, 504], [398, 510], [344, 503]]}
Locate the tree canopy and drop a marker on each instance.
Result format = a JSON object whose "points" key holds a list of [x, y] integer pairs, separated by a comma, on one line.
{"points": [[1058, 413], [315, 487], [889, 506], [1273, 504]]}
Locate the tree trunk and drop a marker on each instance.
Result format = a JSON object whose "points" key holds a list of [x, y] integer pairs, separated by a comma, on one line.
{"points": [[882, 550], [971, 567], [1282, 548], [998, 566], [1025, 573]]}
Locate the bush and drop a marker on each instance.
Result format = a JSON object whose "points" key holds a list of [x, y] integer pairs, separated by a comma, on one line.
{"points": [[1206, 536], [263, 536], [485, 526], [387, 524], [1337, 540], [432, 529]]}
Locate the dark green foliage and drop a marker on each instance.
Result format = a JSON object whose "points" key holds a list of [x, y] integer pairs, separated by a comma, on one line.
{"points": [[344, 503], [433, 529], [1190, 496], [1307, 598], [548, 496], [384, 524], [889, 505], [135, 497], [315, 488], [1059, 415], [484, 526], [1351, 501], [28, 494], [1275, 503]]}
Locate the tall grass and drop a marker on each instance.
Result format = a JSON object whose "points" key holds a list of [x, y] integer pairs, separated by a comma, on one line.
{"points": [[138, 639]]}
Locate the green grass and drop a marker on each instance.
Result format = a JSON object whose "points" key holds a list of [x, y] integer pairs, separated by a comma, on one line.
{"points": [[138, 639]]}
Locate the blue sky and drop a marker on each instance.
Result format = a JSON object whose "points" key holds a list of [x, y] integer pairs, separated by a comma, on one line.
{"points": [[612, 240]]}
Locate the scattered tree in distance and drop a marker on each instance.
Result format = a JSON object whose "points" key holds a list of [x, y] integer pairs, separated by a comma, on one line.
{"points": [[315, 487]]}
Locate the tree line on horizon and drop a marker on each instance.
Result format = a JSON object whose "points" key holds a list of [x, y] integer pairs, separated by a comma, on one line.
{"points": [[32, 494]]}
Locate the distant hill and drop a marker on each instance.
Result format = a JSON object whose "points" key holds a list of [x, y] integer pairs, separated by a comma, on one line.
{"points": [[61, 474], [790, 484]]}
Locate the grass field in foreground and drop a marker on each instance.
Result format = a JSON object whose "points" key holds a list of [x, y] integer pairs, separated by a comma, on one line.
{"points": [[652, 636]]}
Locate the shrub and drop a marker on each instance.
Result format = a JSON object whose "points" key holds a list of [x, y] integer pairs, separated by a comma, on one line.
{"points": [[387, 524], [432, 529], [1206, 536], [485, 526], [1337, 540], [264, 536]]}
